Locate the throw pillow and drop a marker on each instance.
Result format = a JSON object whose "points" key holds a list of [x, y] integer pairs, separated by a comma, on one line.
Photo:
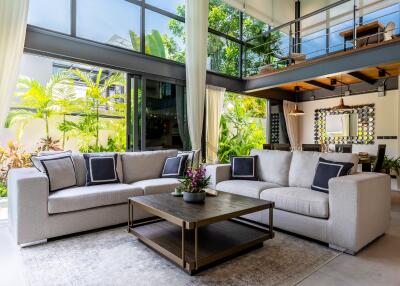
{"points": [[37, 160], [243, 168], [60, 171], [101, 168], [326, 170], [174, 167]]}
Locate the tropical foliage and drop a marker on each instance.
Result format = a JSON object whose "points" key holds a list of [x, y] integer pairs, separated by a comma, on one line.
{"points": [[241, 126], [84, 116], [12, 156]]}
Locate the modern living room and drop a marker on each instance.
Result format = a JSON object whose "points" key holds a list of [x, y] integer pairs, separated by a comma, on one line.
{"points": [[188, 142]]}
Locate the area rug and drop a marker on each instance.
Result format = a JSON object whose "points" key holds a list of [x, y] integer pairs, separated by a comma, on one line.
{"points": [[115, 257]]}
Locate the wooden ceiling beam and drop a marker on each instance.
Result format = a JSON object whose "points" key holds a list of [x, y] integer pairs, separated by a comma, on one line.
{"points": [[320, 84], [363, 77]]}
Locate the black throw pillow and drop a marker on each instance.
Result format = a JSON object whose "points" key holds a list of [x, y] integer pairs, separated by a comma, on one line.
{"points": [[174, 167], [101, 168], [243, 168], [326, 170]]}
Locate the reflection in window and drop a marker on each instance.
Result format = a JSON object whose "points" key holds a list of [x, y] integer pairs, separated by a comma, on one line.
{"points": [[164, 37], [52, 15], [117, 24], [224, 18], [166, 120], [223, 55]]}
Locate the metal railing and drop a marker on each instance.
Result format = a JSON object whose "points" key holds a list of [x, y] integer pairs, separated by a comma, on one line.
{"points": [[292, 43]]}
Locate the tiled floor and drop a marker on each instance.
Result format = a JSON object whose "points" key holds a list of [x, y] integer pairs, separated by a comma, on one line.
{"points": [[378, 264]]}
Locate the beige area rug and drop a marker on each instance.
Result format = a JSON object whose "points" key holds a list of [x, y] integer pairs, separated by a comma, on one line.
{"points": [[115, 257]]}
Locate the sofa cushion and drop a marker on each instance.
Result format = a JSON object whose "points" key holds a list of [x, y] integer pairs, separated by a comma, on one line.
{"points": [[273, 166], [343, 157], [175, 167], [327, 170], [80, 166], [157, 186], [60, 171], [101, 168], [299, 200], [138, 166], [302, 168], [86, 197], [244, 167], [246, 188]]}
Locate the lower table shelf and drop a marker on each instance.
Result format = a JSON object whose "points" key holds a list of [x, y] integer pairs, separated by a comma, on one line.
{"points": [[216, 241]]}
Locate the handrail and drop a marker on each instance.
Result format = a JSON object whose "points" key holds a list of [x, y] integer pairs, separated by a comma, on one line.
{"points": [[316, 12]]}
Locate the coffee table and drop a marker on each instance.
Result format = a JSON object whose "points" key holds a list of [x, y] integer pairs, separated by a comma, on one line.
{"points": [[196, 236]]}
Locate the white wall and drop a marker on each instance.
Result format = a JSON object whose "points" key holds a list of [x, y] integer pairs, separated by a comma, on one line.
{"points": [[386, 118]]}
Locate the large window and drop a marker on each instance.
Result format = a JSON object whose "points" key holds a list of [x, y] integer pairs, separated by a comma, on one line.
{"points": [[62, 105], [164, 37], [154, 27], [223, 55], [243, 126], [117, 24], [53, 15]]}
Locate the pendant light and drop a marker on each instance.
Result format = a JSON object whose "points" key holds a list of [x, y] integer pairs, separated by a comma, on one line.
{"points": [[342, 106], [296, 111]]}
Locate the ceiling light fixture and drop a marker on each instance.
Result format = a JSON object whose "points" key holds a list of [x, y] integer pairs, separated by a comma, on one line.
{"points": [[296, 111], [342, 106]]}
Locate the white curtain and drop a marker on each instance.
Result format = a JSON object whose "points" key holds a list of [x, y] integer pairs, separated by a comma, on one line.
{"points": [[214, 106], [13, 17], [196, 27], [292, 124]]}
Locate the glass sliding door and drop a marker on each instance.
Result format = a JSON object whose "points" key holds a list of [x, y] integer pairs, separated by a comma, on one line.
{"points": [[165, 120], [156, 117]]}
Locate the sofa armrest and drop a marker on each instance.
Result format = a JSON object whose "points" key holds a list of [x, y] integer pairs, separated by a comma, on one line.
{"points": [[218, 173], [359, 208], [28, 191]]}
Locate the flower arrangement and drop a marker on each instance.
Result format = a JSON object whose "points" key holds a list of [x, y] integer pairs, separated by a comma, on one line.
{"points": [[195, 180]]}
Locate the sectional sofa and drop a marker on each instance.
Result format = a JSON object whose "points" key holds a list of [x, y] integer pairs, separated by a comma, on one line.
{"points": [[36, 215], [354, 212]]}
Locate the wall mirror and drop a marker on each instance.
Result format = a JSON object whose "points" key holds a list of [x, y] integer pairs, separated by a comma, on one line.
{"points": [[351, 126]]}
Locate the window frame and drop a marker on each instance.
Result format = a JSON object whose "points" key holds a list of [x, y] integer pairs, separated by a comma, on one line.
{"points": [[146, 6]]}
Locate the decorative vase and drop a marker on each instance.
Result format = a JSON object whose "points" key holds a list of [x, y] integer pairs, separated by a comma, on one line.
{"points": [[194, 197]]}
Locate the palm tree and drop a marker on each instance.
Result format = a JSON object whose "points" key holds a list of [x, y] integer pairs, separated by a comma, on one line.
{"points": [[95, 99], [37, 100]]}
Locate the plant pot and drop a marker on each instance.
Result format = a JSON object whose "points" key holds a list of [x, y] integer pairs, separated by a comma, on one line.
{"points": [[194, 197]]}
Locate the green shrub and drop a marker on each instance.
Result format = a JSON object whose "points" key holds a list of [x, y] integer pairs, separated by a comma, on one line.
{"points": [[3, 190], [241, 126]]}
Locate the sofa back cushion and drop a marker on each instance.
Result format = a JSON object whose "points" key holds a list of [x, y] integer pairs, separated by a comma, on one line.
{"points": [[145, 165], [343, 157], [273, 165], [304, 165], [302, 168]]}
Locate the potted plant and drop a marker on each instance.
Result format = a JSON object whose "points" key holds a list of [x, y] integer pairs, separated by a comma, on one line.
{"points": [[391, 166], [194, 184]]}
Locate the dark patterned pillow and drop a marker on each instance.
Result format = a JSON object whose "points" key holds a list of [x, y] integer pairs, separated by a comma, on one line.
{"points": [[326, 170], [101, 168], [174, 167], [244, 168]]}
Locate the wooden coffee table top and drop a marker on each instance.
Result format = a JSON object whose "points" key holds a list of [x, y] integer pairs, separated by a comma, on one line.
{"points": [[222, 207]]}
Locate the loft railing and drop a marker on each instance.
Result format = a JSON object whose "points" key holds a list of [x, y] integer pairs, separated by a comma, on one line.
{"points": [[337, 27]]}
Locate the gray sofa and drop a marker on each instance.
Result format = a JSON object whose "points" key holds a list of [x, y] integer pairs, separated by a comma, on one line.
{"points": [[36, 215], [355, 212]]}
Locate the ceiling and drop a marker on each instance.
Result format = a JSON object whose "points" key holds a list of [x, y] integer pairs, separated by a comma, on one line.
{"points": [[333, 85]]}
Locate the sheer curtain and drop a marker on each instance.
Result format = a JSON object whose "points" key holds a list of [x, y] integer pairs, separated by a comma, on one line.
{"points": [[292, 124], [214, 105], [13, 16], [196, 27]]}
